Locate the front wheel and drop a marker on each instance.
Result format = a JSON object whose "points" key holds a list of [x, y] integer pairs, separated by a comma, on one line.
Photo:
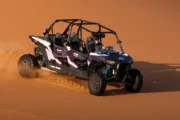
{"points": [[96, 84], [135, 82]]}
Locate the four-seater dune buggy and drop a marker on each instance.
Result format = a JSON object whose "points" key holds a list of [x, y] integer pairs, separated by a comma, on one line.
{"points": [[91, 57]]}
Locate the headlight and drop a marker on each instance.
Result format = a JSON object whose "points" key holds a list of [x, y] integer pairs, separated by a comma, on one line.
{"points": [[110, 62]]}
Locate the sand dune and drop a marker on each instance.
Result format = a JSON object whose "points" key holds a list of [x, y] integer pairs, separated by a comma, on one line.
{"points": [[150, 33]]}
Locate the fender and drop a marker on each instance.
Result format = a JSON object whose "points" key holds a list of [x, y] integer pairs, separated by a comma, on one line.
{"points": [[94, 65], [45, 48]]}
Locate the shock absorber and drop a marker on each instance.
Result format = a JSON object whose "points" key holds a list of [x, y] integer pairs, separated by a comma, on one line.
{"points": [[42, 62], [106, 71]]}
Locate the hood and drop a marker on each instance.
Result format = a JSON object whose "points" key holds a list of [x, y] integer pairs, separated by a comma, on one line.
{"points": [[120, 58]]}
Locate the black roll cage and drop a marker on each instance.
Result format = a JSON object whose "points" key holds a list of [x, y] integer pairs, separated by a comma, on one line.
{"points": [[79, 23]]}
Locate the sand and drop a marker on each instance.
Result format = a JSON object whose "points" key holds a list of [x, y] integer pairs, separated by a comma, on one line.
{"points": [[150, 34]]}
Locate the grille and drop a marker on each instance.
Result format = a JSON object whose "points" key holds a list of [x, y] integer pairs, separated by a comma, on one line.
{"points": [[122, 70], [123, 67]]}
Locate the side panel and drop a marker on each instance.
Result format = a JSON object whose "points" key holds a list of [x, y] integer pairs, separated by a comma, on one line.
{"points": [[54, 64], [51, 63], [69, 54], [59, 51], [45, 48]]}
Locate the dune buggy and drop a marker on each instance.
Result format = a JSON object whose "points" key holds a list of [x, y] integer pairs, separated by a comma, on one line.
{"points": [[84, 53]]}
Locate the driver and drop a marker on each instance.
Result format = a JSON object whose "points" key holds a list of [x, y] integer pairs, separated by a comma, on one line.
{"points": [[90, 42], [99, 45]]}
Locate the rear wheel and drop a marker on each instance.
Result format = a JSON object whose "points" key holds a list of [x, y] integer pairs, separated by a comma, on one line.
{"points": [[135, 82], [27, 66], [96, 84]]}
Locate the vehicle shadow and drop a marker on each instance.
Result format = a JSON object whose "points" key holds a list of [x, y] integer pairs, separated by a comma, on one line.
{"points": [[157, 78]]}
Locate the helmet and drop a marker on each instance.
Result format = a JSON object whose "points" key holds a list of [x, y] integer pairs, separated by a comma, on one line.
{"points": [[58, 35], [73, 35]]}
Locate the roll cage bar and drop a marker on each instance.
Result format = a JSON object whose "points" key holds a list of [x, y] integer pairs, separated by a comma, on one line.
{"points": [[79, 23]]}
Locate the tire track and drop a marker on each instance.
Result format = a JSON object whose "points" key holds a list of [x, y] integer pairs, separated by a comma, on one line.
{"points": [[6, 113]]}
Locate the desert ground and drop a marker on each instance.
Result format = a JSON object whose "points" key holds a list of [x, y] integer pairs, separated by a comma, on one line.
{"points": [[149, 30]]}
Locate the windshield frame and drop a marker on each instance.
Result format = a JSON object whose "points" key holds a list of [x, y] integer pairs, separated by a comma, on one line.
{"points": [[101, 49]]}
